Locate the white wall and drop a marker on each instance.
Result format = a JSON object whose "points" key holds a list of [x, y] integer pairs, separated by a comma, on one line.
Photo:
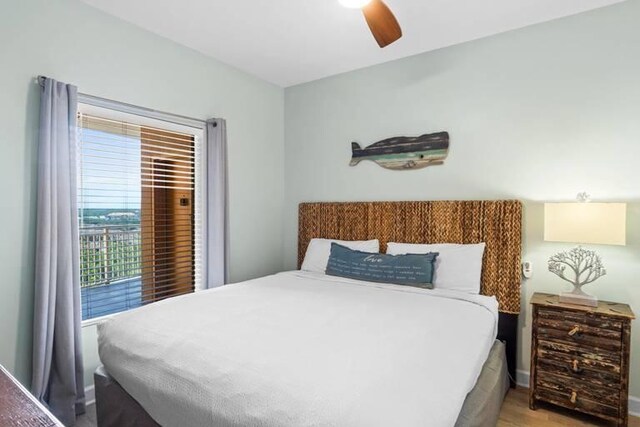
{"points": [[104, 56], [536, 114]]}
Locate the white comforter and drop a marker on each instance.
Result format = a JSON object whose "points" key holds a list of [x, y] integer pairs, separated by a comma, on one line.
{"points": [[302, 349]]}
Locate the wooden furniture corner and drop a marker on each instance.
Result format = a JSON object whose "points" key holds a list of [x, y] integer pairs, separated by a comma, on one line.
{"points": [[18, 407], [580, 357]]}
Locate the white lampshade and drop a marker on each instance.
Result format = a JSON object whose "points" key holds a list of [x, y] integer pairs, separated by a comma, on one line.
{"points": [[596, 223]]}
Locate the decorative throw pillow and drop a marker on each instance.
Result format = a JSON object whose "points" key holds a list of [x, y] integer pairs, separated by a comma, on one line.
{"points": [[411, 269], [458, 267], [317, 254]]}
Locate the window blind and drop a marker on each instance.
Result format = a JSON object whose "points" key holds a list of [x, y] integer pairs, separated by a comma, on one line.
{"points": [[137, 198]]}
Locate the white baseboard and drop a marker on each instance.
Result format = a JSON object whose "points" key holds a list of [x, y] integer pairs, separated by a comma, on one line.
{"points": [[90, 395], [634, 406], [522, 380]]}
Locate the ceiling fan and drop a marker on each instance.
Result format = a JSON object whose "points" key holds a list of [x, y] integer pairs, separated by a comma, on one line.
{"points": [[382, 23]]}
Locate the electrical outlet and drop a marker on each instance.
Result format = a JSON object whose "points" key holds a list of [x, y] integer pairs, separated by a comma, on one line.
{"points": [[527, 269]]}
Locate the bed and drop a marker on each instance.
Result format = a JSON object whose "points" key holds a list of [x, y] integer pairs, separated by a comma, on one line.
{"points": [[306, 349]]}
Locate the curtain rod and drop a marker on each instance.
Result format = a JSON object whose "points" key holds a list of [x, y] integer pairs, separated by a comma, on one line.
{"points": [[133, 109]]}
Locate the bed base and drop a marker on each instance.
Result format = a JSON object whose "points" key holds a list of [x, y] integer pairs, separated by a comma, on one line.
{"points": [[117, 408], [508, 334], [482, 406]]}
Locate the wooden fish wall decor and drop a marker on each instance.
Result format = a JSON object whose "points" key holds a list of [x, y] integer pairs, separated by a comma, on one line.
{"points": [[403, 152]]}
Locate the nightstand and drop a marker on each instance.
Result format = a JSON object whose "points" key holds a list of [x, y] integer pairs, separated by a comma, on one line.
{"points": [[580, 357]]}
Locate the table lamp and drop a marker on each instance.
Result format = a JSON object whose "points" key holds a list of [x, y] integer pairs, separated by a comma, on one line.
{"points": [[582, 222]]}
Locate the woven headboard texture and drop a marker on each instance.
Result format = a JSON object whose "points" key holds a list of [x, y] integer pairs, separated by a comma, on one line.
{"points": [[498, 223]]}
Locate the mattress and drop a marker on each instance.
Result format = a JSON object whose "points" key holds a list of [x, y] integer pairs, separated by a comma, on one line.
{"points": [[116, 408], [302, 349]]}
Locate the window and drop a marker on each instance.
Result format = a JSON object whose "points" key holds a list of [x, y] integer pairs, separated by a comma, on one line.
{"points": [[138, 198]]}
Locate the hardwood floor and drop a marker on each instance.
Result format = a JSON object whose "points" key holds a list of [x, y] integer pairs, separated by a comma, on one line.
{"points": [[515, 412], [89, 418]]}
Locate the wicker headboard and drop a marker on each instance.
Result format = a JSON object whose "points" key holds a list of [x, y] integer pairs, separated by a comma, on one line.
{"points": [[497, 223]]}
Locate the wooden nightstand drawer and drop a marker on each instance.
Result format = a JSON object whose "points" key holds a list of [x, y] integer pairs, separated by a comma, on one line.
{"points": [[552, 314], [580, 357], [578, 370], [567, 399], [579, 331], [594, 359], [583, 389], [580, 337]]}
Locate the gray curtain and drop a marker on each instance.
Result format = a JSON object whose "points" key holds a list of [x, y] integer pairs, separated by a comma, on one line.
{"points": [[217, 205], [57, 377]]}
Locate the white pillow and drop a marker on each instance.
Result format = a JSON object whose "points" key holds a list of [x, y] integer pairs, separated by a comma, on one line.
{"points": [[317, 255], [457, 267]]}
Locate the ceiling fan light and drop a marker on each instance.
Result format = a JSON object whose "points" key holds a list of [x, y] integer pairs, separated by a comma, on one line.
{"points": [[354, 4]]}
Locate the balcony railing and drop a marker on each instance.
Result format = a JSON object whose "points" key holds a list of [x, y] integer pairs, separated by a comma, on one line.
{"points": [[109, 253]]}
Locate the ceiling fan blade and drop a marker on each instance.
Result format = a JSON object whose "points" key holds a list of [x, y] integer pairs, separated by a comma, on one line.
{"points": [[382, 23]]}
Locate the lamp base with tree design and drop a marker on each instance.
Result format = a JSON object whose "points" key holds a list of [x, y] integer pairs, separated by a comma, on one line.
{"points": [[586, 266]]}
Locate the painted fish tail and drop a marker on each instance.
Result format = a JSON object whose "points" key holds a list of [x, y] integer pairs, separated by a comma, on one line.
{"points": [[354, 146]]}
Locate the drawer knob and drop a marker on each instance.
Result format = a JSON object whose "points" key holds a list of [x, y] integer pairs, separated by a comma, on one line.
{"points": [[574, 367], [574, 331], [574, 396]]}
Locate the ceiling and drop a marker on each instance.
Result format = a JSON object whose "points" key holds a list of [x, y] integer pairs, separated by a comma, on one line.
{"points": [[288, 42]]}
